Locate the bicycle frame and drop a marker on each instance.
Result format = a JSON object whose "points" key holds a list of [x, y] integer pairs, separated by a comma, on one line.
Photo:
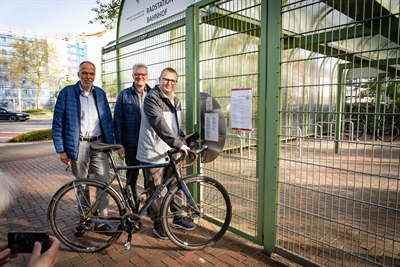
{"points": [[208, 207], [176, 173]]}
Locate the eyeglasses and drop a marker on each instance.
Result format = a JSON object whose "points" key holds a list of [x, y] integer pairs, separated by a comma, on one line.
{"points": [[139, 75], [169, 81]]}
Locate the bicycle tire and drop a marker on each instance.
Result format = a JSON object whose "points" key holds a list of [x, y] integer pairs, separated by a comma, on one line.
{"points": [[66, 215], [216, 213], [387, 132]]}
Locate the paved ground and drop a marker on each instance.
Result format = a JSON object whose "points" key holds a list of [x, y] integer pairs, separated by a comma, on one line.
{"points": [[40, 173]]}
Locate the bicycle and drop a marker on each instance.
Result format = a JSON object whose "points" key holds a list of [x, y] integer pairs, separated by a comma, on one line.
{"points": [[385, 129], [74, 214]]}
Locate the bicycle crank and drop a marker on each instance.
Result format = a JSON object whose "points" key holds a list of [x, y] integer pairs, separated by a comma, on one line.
{"points": [[131, 223]]}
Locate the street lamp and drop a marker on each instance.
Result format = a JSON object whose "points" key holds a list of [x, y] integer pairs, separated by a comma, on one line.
{"points": [[58, 89], [59, 80], [19, 95]]}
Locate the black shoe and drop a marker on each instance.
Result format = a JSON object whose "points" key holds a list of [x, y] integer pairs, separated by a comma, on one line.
{"points": [[159, 231], [104, 229]]}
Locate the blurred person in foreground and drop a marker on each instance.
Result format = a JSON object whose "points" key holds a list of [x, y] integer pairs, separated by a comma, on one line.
{"points": [[127, 119], [82, 116], [8, 191], [160, 130]]}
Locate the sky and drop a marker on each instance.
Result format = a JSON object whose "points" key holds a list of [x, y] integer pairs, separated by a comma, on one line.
{"points": [[61, 17], [49, 16]]}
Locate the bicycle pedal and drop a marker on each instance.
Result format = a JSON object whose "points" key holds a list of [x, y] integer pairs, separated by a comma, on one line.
{"points": [[80, 230]]}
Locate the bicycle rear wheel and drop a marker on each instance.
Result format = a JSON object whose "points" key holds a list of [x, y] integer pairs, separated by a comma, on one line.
{"points": [[387, 131], [79, 222], [211, 214]]}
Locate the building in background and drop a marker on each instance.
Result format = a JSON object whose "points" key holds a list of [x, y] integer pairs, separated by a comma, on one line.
{"points": [[23, 96]]}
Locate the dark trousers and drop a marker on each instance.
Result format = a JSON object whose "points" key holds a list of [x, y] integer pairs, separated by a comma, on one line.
{"points": [[154, 177], [132, 174]]}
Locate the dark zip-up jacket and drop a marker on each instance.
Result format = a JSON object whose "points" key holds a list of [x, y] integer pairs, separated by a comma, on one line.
{"points": [[127, 117]]}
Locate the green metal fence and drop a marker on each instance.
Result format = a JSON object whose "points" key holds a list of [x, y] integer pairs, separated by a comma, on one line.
{"points": [[304, 182], [339, 189], [228, 44]]}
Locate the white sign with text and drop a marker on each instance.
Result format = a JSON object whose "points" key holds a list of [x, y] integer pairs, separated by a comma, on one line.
{"points": [[137, 14]]}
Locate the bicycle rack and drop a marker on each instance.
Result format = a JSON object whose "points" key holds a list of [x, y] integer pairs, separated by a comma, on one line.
{"points": [[249, 145], [316, 127], [240, 151], [351, 128], [298, 137], [331, 131]]}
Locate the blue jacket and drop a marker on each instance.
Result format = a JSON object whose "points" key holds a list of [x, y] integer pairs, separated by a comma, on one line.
{"points": [[66, 120], [127, 117]]}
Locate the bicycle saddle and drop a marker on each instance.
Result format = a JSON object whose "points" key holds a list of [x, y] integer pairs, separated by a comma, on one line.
{"points": [[103, 147]]}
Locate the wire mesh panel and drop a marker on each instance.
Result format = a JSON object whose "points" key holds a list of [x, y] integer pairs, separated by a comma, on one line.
{"points": [[339, 200], [229, 37], [159, 46], [164, 47]]}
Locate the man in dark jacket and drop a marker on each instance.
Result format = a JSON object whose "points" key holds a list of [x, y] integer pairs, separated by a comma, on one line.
{"points": [[82, 116], [127, 117]]}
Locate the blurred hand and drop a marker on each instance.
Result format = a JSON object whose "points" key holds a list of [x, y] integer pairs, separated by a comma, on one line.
{"points": [[64, 158], [47, 259], [5, 255], [121, 153], [184, 139], [184, 149]]}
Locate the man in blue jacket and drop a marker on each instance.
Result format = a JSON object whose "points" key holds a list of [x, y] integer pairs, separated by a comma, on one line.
{"points": [[82, 116], [127, 118]]}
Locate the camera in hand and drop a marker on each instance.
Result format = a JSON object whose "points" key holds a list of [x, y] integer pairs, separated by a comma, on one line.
{"points": [[23, 242]]}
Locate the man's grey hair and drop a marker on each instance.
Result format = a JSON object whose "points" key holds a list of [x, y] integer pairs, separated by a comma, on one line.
{"points": [[139, 65], [8, 190]]}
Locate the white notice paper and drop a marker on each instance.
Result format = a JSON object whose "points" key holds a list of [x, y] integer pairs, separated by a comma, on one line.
{"points": [[209, 104], [241, 109], [211, 126]]}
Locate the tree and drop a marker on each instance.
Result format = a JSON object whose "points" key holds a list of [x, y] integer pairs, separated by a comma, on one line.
{"points": [[107, 14], [31, 61]]}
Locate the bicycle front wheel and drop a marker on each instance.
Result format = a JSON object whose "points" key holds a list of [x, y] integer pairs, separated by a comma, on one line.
{"points": [[81, 222], [209, 208], [387, 131]]}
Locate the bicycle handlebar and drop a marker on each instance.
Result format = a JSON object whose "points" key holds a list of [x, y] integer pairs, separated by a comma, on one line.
{"points": [[190, 151]]}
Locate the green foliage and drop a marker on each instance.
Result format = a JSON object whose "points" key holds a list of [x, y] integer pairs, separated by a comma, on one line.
{"points": [[40, 135], [38, 110], [67, 82], [107, 14]]}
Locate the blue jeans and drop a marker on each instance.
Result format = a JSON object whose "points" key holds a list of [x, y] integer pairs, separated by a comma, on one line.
{"points": [[98, 163]]}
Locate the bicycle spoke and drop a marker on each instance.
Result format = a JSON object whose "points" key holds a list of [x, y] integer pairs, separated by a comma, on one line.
{"points": [[211, 215], [84, 227]]}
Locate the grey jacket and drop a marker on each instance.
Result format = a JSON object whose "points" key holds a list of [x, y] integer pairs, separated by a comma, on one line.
{"points": [[160, 128]]}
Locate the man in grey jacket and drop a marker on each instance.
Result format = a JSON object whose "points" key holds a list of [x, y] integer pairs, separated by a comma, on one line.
{"points": [[160, 131]]}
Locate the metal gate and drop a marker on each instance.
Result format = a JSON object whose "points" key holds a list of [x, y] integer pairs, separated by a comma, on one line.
{"points": [[228, 45], [339, 196]]}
